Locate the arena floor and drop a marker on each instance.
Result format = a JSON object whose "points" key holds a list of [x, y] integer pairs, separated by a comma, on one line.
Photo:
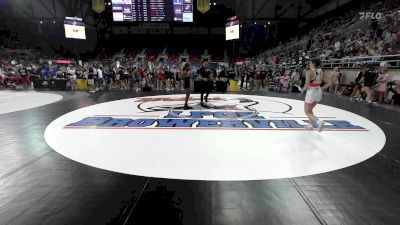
{"points": [[339, 176]]}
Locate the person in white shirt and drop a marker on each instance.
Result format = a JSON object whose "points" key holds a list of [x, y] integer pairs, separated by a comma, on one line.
{"points": [[337, 46], [390, 37], [295, 78], [100, 78]]}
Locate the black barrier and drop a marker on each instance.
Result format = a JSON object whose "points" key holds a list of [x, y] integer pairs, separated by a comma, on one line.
{"points": [[50, 84], [60, 85], [40, 84], [37, 84], [222, 86]]}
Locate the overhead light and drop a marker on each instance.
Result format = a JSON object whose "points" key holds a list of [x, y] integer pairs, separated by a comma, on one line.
{"points": [[210, 3], [54, 21], [269, 23], [215, 3], [265, 25], [255, 22], [109, 3], [41, 22]]}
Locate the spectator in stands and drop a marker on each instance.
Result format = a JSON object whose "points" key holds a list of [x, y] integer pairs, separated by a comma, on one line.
{"points": [[59, 75], [194, 73], [303, 75], [284, 82], [160, 79], [372, 47], [53, 72], [335, 76], [390, 38], [23, 73], [44, 73], [2, 77], [295, 79], [337, 48]]}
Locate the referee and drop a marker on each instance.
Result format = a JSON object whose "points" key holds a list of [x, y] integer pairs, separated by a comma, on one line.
{"points": [[206, 82]]}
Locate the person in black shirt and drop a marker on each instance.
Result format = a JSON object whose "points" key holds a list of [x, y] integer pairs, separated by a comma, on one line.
{"points": [[369, 81], [223, 73], [250, 78], [24, 76], [242, 72], [263, 76], [90, 79], [269, 74], [206, 82], [231, 74], [357, 85], [222, 83], [169, 77]]}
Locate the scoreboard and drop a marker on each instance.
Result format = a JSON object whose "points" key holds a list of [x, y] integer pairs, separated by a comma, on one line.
{"points": [[152, 10], [74, 28], [232, 29]]}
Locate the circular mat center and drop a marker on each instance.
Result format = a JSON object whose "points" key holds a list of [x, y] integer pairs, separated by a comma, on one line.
{"points": [[239, 137]]}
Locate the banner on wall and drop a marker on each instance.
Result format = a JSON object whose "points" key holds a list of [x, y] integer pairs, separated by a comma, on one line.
{"points": [[98, 6], [203, 5]]}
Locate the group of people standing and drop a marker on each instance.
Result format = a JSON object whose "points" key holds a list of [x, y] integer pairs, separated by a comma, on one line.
{"points": [[312, 87], [14, 76], [374, 84], [253, 77], [206, 77]]}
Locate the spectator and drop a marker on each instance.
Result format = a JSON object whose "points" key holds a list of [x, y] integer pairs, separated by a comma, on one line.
{"points": [[90, 79], [295, 78], [369, 81], [390, 38], [396, 93], [336, 80], [160, 79], [356, 94], [284, 82], [100, 79], [24, 76], [263, 77], [382, 83]]}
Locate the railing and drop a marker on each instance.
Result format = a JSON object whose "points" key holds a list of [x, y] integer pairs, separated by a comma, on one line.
{"points": [[391, 60]]}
